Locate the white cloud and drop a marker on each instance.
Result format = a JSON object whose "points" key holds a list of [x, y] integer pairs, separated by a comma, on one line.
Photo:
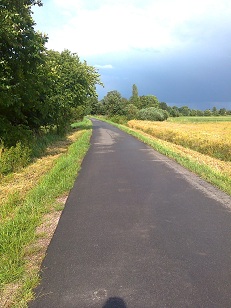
{"points": [[91, 27], [106, 66]]}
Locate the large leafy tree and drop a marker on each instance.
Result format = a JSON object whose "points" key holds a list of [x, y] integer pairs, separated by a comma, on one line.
{"points": [[37, 87], [70, 83], [147, 101], [21, 54], [114, 103]]}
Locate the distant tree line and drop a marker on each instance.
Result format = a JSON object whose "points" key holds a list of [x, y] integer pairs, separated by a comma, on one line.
{"points": [[144, 107], [39, 88]]}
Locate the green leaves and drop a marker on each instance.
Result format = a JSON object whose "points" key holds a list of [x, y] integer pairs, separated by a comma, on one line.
{"points": [[37, 87], [69, 84]]}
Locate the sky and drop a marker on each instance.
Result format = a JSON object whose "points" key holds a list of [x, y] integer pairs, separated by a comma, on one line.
{"points": [[177, 50]]}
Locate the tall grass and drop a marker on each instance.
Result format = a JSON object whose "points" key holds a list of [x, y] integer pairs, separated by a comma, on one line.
{"points": [[20, 218], [17, 157]]}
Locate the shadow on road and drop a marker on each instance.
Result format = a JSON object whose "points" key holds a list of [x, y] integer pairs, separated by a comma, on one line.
{"points": [[115, 302]]}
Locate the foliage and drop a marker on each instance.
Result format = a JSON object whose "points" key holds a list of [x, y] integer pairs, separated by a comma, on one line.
{"points": [[119, 119], [71, 83], [131, 111], [14, 158], [114, 103], [17, 157], [135, 94], [21, 55], [152, 114], [147, 101], [135, 99], [38, 88]]}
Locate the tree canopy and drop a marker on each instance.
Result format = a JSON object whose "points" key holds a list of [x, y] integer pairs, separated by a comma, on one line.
{"points": [[38, 87]]}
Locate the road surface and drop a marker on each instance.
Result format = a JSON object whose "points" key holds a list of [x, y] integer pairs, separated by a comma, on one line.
{"points": [[138, 231]]}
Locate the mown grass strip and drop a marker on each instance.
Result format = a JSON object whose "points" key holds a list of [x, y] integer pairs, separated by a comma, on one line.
{"points": [[18, 232], [219, 179]]}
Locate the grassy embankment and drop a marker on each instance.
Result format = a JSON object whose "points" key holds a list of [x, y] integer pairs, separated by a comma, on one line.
{"points": [[197, 143], [30, 207]]}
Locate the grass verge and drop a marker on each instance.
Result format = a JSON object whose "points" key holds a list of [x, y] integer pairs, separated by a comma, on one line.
{"points": [[28, 219], [211, 170]]}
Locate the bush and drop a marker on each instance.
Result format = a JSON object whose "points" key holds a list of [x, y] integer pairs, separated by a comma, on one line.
{"points": [[152, 114], [119, 119], [131, 111], [14, 158]]}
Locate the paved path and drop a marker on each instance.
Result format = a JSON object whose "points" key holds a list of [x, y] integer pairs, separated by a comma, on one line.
{"points": [[138, 231]]}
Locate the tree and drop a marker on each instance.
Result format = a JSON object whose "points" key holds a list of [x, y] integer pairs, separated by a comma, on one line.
{"points": [[91, 106], [21, 55], [222, 111], [214, 111], [184, 110], [152, 114], [37, 87], [135, 96], [147, 101], [70, 84], [163, 106], [193, 113], [174, 111], [131, 111], [207, 113], [114, 103], [200, 113]]}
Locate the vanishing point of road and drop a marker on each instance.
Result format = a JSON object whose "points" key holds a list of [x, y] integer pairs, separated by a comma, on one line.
{"points": [[137, 231]]}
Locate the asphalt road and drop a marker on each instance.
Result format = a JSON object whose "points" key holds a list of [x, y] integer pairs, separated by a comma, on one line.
{"points": [[138, 231]]}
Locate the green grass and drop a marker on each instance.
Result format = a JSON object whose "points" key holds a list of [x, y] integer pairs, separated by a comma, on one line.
{"points": [[15, 158], [218, 179], [19, 229], [200, 119]]}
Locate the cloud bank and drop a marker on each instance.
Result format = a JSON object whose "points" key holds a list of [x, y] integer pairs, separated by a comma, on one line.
{"points": [[178, 50]]}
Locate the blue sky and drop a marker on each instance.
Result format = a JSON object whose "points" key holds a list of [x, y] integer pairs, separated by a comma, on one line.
{"points": [[178, 50]]}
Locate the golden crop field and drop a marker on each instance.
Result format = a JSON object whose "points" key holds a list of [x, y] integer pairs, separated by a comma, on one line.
{"points": [[209, 138]]}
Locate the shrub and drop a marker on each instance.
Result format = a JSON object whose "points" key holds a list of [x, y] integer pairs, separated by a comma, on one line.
{"points": [[131, 111], [14, 158], [152, 114], [119, 119]]}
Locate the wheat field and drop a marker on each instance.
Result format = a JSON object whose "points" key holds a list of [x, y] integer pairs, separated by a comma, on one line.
{"points": [[209, 138]]}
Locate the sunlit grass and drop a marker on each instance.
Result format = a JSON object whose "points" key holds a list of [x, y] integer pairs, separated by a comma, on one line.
{"points": [[27, 200]]}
